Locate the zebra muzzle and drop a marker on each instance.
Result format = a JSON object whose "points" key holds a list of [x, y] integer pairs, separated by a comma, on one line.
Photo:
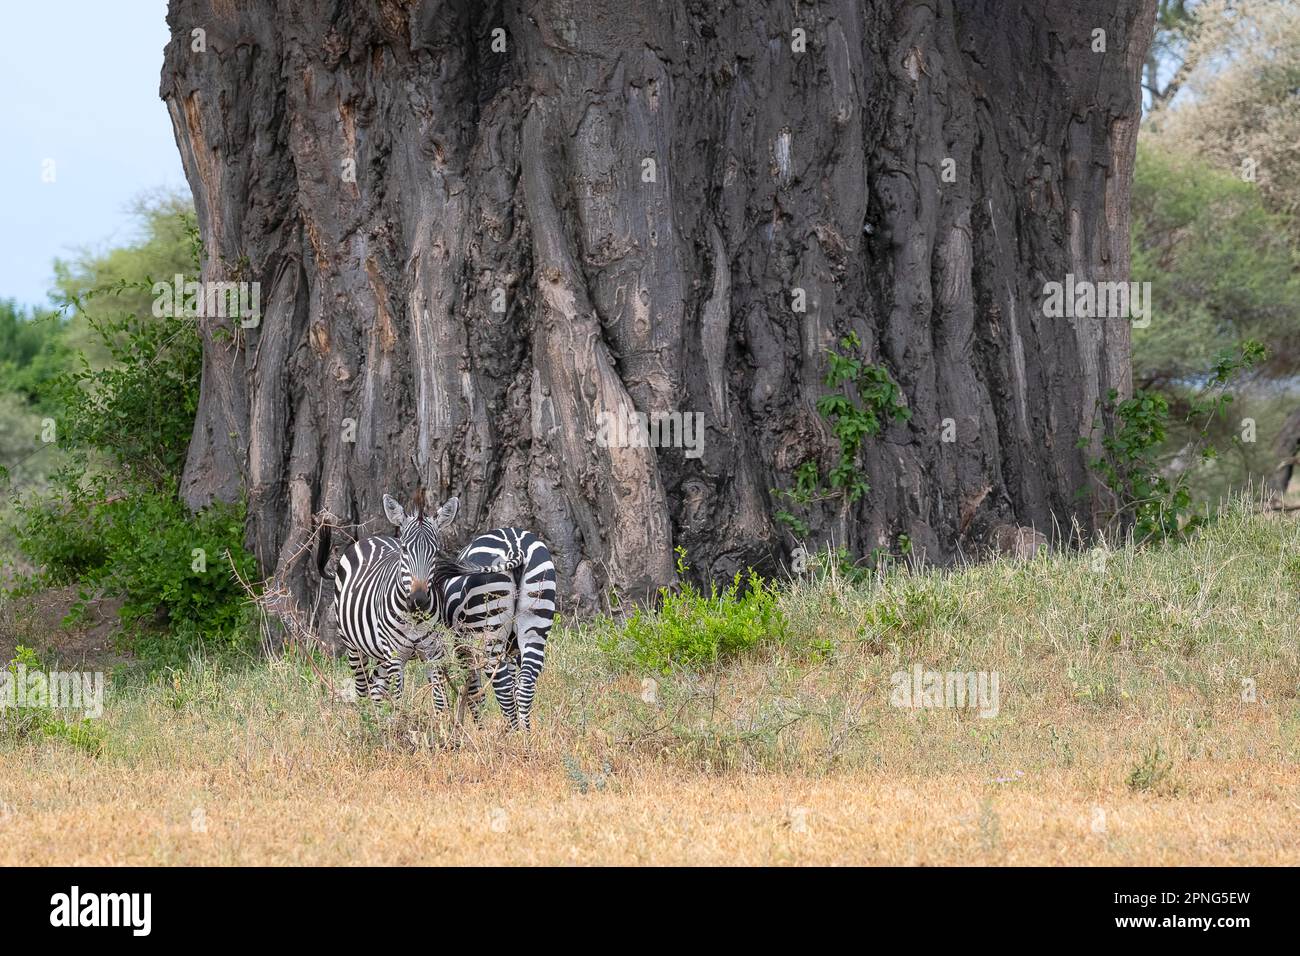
{"points": [[421, 599]]}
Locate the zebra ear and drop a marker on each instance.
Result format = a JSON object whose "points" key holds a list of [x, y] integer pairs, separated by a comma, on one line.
{"points": [[447, 513], [394, 510]]}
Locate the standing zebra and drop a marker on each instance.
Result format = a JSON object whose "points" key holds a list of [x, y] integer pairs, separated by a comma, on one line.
{"points": [[394, 596], [508, 613]]}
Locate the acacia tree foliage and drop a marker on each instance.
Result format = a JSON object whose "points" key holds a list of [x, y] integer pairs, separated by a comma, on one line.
{"points": [[1217, 226], [1243, 114], [33, 352], [1222, 268], [162, 246], [1167, 63]]}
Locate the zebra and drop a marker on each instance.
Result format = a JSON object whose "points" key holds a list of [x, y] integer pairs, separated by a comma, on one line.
{"points": [[507, 613], [386, 594], [395, 597]]}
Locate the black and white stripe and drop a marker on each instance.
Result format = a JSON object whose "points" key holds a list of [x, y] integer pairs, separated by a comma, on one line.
{"points": [[505, 616], [384, 593], [396, 597]]}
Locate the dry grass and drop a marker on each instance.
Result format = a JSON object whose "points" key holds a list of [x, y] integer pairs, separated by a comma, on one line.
{"points": [[420, 811], [1122, 738]]}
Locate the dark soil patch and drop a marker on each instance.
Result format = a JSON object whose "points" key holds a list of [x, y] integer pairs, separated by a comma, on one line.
{"points": [[36, 621]]}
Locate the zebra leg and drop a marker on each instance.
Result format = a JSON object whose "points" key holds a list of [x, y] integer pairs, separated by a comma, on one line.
{"points": [[474, 689], [438, 687], [500, 670], [431, 653], [531, 658], [360, 674], [377, 680], [395, 673], [505, 677]]}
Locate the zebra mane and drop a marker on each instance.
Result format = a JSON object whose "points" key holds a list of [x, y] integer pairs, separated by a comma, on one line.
{"points": [[419, 502]]}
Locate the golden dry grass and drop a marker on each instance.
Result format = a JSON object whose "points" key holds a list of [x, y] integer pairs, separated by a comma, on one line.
{"points": [[1123, 737], [421, 810]]}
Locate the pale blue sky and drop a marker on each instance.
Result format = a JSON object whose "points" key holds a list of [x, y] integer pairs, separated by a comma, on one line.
{"points": [[78, 85]]}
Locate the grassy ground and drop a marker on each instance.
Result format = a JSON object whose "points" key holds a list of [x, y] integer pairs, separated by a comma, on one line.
{"points": [[1147, 714]]}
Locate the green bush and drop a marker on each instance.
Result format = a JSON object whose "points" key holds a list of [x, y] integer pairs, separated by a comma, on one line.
{"points": [[113, 522], [692, 629], [172, 562], [867, 400], [1160, 506], [22, 721], [139, 409], [61, 535], [28, 722], [169, 566], [32, 353], [1221, 268]]}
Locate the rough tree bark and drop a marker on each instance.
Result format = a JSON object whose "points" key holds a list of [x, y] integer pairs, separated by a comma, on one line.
{"points": [[380, 361]]}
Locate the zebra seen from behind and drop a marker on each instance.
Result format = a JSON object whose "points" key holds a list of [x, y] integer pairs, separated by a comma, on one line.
{"points": [[396, 597], [506, 612]]}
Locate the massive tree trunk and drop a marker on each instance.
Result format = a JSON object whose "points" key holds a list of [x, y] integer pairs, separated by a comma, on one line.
{"points": [[392, 172]]}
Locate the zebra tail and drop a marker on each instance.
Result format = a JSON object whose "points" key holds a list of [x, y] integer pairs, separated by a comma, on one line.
{"points": [[447, 565], [511, 561]]}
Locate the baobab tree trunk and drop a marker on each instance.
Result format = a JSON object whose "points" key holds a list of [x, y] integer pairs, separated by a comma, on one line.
{"points": [[479, 227]]}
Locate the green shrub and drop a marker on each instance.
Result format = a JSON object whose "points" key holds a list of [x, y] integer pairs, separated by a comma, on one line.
{"points": [[913, 606], [169, 565], [113, 522], [866, 401], [61, 534], [693, 629], [21, 722], [1159, 506], [84, 734], [163, 558], [879, 400], [1152, 770], [1221, 266], [32, 722], [32, 353], [138, 411]]}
